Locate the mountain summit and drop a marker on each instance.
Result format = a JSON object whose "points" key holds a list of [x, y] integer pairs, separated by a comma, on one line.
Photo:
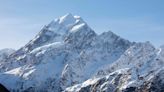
{"points": [[68, 56]]}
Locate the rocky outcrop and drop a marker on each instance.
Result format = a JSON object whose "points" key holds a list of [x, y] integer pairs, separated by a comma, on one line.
{"points": [[3, 88]]}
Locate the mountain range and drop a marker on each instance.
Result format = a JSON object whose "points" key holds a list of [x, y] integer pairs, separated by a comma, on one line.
{"points": [[68, 56]]}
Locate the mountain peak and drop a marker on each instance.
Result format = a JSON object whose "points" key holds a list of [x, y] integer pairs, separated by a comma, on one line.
{"points": [[58, 30], [64, 23], [67, 19], [109, 33], [67, 16]]}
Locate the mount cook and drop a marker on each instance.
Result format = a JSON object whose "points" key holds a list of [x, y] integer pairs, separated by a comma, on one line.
{"points": [[68, 56]]}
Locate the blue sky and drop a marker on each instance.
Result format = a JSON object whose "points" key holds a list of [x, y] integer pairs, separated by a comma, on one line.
{"points": [[136, 20]]}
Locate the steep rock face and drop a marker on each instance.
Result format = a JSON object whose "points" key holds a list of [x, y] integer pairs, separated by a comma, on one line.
{"points": [[120, 81], [154, 84], [143, 72], [65, 52], [102, 50], [139, 56], [108, 83]]}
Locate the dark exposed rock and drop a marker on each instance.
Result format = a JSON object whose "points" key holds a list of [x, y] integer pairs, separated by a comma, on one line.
{"points": [[3, 88], [130, 89]]}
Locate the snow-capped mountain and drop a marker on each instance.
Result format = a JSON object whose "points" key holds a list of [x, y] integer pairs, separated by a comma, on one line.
{"points": [[67, 55]]}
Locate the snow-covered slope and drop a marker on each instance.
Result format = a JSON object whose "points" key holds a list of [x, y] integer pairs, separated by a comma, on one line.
{"points": [[4, 53], [68, 55], [135, 71]]}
